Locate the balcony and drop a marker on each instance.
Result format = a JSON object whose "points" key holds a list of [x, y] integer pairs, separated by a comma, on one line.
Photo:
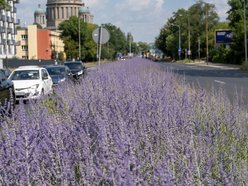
{"points": [[2, 17], [9, 19], [18, 43], [2, 29]]}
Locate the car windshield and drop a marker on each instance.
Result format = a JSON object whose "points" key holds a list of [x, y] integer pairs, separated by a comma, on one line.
{"points": [[56, 70], [74, 65], [25, 75]]}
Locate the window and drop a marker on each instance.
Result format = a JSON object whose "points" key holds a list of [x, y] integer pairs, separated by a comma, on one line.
{"points": [[2, 76], [44, 74], [24, 37], [24, 48], [25, 75]]}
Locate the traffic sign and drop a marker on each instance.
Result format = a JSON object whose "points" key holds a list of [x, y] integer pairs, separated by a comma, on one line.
{"points": [[100, 35]]}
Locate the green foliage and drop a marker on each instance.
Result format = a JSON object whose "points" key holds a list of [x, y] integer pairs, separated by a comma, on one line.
{"points": [[142, 46], [117, 42], [192, 23], [4, 5], [221, 54], [70, 35], [236, 18]]}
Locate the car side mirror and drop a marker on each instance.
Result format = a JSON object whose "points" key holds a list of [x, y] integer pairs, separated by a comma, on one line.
{"points": [[45, 77]]}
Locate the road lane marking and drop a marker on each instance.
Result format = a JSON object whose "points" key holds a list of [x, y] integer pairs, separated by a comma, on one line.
{"points": [[221, 82]]}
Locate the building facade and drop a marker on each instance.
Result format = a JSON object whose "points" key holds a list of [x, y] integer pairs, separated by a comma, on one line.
{"points": [[34, 43], [8, 24], [61, 10]]}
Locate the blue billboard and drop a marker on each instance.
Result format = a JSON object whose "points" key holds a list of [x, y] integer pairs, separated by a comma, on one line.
{"points": [[224, 36]]}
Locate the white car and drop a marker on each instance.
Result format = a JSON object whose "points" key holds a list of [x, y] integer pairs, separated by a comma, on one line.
{"points": [[30, 82]]}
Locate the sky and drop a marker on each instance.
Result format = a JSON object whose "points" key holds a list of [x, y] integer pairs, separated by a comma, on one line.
{"points": [[143, 18]]}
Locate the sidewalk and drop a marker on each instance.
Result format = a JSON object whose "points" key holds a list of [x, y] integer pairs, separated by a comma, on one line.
{"points": [[215, 65]]}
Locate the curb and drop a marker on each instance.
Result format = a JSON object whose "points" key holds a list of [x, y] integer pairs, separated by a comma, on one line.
{"points": [[213, 65]]}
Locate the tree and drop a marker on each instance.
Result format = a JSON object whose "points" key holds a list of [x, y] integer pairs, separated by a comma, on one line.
{"points": [[192, 24], [236, 18], [4, 5], [117, 42], [70, 36]]}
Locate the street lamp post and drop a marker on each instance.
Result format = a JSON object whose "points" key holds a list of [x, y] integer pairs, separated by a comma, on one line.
{"points": [[79, 38], [179, 41], [206, 27], [245, 34], [189, 44]]}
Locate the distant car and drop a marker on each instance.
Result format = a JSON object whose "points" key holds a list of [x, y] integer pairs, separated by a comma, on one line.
{"points": [[7, 94], [6, 71], [77, 68], [31, 82], [59, 73]]}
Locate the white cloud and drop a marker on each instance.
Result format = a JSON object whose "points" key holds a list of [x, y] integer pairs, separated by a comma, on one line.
{"points": [[92, 2], [159, 4], [221, 6]]}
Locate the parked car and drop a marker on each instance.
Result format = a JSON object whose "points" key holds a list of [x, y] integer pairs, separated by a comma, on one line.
{"points": [[77, 68], [31, 82], [59, 73], [6, 71], [7, 94]]}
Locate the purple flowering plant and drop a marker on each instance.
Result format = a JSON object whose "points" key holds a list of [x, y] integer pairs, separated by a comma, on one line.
{"points": [[129, 123]]}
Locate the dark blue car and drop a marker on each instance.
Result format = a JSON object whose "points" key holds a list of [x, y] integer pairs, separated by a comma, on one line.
{"points": [[58, 73], [7, 95]]}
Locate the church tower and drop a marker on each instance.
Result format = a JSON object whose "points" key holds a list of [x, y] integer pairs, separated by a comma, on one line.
{"points": [[84, 13], [40, 17], [60, 10]]}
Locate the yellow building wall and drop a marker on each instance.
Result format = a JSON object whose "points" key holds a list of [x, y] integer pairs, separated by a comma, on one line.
{"points": [[20, 52], [32, 42], [56, 42]]}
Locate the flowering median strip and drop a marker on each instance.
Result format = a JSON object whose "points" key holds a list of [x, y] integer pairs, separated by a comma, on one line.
{"points": [[127, 123]]}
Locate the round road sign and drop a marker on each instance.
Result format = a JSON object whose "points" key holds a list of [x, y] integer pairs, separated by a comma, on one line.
{"points": [[100, 32]]}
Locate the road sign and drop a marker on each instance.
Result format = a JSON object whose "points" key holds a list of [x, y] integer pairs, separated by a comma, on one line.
{"points": [[100, 35], [224, 36]]}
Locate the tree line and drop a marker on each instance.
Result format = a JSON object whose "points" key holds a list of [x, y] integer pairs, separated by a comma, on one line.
{"points": [[190, 33], [119, 42]]}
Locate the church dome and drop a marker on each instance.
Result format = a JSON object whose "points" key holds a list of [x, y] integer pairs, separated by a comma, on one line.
{"points": [[39, 11]]}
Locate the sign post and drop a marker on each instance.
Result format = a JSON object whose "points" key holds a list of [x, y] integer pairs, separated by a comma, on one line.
{"points": [[100, 36]]}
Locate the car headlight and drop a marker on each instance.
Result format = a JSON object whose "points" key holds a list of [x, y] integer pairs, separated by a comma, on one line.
{"points": [[80, 72], [61, 80], [34, 86]]}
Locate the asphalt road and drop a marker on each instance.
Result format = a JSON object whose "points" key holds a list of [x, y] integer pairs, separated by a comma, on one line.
{"points": [[228, 78]]}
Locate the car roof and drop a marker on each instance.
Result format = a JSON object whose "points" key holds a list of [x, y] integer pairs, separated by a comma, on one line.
{"points": [[54, 66], [73, 62], [29, 68]]}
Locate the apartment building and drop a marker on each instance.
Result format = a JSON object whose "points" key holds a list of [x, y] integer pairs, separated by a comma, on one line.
{"points": [[34, 43], [8, 24]]}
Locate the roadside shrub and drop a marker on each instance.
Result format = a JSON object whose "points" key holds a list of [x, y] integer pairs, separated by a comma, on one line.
{"points": [[222, 55], [129, 123]]}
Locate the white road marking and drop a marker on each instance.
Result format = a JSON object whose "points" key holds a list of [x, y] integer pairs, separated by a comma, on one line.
{"points": [[221, 82]]}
